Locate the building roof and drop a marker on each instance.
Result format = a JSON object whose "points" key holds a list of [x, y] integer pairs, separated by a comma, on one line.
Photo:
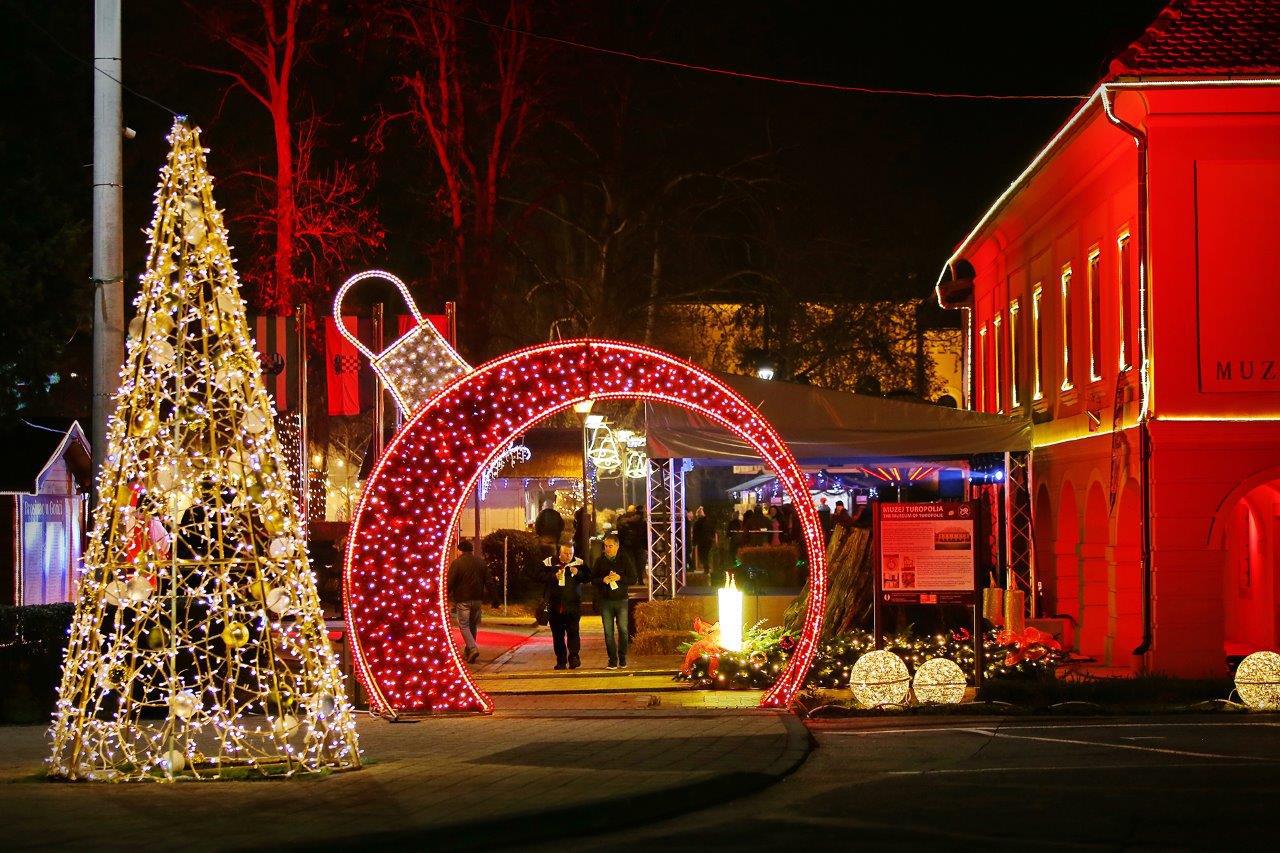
{"points": [[31, 445], [1206, 38]]}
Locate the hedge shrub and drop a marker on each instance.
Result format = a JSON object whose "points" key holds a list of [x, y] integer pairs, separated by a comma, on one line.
{"points": [[32, 641]]}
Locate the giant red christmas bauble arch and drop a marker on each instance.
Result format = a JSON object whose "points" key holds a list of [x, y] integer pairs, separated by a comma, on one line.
{"points": [[393, 577]]}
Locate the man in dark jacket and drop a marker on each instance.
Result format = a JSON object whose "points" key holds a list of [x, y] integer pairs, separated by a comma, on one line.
{"points": [[549, 524], [612, 574], [468, 576], [564, 575]]}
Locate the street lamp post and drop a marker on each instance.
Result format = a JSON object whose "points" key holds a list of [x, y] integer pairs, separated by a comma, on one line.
{"points": [[583, 411]]}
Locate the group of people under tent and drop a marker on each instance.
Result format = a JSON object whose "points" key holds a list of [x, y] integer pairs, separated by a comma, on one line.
{"points": [[565, 578]]}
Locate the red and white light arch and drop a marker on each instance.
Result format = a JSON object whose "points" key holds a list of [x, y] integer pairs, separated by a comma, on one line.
{"points": [[393, 579]]}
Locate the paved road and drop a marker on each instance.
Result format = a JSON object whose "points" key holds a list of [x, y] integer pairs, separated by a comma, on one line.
{"points": [[1179, 782], [442, 783]]}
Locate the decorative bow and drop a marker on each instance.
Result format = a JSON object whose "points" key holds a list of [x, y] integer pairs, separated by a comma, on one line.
{"points": [[1029, 645]]}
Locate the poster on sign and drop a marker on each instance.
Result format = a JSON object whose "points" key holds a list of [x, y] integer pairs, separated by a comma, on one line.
{"points": [[926, 552]]}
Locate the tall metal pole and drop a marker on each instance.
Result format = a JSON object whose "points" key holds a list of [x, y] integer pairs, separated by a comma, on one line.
{"points": [[304, 446], [379, 398], [108, 220]]}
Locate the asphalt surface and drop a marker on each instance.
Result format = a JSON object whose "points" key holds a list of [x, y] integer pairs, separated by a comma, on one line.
{"points": [[1136, 783]]}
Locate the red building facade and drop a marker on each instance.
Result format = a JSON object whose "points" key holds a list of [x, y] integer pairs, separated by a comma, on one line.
{"points": [[1120, 292]]}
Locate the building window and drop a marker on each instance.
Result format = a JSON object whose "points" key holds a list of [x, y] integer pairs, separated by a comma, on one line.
{"points": [[980, 375], [1068, 363], [1014, 377], [1095, 316], [1125, 301], [1037, 344], [997, 359]]}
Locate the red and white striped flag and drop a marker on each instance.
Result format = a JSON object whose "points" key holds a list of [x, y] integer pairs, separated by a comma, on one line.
{"points": [[350, 379], [275, 340]]}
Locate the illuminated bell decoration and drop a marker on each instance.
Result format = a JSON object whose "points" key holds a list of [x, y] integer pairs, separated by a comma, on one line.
{"points": [[1258, 681], [273, 521], [880, 678], [235, 635], [157, 638], [939, 681], [415, 366]]}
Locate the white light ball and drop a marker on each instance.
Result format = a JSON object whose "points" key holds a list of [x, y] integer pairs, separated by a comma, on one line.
{"points": [[285, 726], [184, 705], [227, 301], [880, 678], [138, 589], [161, 352], [1258, 681], [114, 593], [174, 761], [278, 601], [325, 704], [280, 547], [939, 681], [254, 422]]}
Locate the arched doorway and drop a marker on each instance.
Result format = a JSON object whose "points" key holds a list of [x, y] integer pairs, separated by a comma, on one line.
{"points": [[1126, 578], [1094, 580], [1066, 558], [393, 576], [1251, 524]]}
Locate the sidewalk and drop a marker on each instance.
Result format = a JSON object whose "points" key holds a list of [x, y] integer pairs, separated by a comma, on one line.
{"points": [[512, 779]]}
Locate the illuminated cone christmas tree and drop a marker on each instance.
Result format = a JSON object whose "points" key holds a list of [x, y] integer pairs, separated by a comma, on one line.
{"points": [[198, 643]]}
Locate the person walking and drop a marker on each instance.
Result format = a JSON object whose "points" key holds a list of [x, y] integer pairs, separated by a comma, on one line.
{"points": [[468, 577], [612, 574], [703, 536], [564, 575], [549, 525]]}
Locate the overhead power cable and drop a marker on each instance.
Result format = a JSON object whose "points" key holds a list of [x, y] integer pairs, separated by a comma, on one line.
{"points": [[80, 59], [732, 73]]}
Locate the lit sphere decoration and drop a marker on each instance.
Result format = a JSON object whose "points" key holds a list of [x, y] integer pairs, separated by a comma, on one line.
{"points": [[939, 681], [880, 678], [398, 549], [1258, 681]]}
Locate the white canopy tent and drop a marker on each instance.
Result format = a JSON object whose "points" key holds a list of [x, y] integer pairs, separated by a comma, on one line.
{"points": [[825, 427]]}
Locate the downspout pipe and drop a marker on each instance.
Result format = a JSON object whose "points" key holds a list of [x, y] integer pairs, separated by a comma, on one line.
{"points": [[1144, 432]]}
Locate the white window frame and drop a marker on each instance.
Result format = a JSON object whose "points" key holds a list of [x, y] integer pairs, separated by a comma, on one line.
{"points": [[1093, 269], [1037, 331], [1124, 246], [1065, 328], [1014, 402]]}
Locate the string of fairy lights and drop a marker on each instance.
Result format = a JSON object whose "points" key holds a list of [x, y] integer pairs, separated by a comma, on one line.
{"points": [[198, 644]]}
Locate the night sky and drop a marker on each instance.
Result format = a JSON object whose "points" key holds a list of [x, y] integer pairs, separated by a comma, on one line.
{"points": [[900, 179]]}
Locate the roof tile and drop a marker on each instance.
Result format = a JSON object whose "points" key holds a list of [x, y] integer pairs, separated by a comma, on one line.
{"points": [[1206, 38]]}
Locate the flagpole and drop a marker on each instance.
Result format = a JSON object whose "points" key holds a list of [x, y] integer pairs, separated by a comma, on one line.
{"points": [[304, 449], [379, 408]]}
